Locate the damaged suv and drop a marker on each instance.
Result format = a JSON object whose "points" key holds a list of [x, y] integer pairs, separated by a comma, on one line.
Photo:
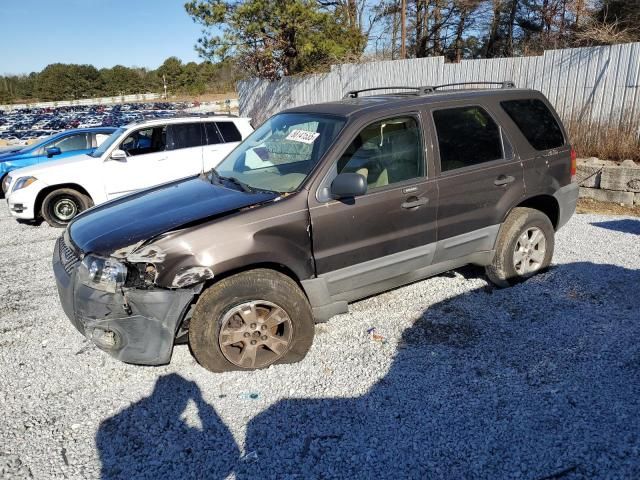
{"points": [[320, 206]]}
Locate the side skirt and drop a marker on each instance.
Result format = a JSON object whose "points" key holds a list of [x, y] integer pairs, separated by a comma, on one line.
{"points": [[330, 293]]}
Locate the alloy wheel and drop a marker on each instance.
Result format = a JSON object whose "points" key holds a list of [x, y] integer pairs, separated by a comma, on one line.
{"points": [[255, 334]]}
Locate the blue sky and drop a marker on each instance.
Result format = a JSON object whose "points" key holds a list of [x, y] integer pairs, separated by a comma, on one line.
{"points": [[142, 33]]}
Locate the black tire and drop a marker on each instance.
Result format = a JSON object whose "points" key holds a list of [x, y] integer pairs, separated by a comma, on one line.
{"points": [[254, 285], [2, 194], [502, 271], [73, 201]]}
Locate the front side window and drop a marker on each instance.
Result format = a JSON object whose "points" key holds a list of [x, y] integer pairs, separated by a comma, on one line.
{"points": [[385, 152], [536, 123], [106, 144], [466, 136], [185, 135], [72, 143], [280, 154], [147, 140]]}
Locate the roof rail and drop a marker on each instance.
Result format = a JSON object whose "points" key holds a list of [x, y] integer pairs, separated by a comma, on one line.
{"points": [[431, 89], [427, 89], [355, 93]]}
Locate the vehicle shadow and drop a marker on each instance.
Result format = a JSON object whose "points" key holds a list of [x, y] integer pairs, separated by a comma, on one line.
{"points": [[541, 380], [151, 438], [626, 225]]}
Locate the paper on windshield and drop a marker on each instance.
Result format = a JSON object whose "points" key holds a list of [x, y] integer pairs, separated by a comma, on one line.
{"points": [[302, 136]]}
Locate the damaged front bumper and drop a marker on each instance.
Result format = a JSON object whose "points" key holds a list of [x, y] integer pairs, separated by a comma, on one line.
{"points": [[133, 325]]}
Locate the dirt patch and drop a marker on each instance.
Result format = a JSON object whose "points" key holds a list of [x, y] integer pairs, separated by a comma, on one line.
{"points": [[586, 205]]}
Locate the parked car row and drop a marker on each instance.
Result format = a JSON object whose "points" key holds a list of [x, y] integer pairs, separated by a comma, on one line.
{"points": [[320, 206], [130, 158], [24, 125]]}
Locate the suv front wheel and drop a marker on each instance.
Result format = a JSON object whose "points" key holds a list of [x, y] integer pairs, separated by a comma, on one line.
{"points": [[524, 247], [61, 206], [251, 320]]}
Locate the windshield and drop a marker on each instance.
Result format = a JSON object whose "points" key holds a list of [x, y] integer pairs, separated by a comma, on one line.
{"points": [[280, 154], [110, 140]]}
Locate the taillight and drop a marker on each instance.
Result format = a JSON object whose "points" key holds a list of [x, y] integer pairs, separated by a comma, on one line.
{"points": [[574, 166]]}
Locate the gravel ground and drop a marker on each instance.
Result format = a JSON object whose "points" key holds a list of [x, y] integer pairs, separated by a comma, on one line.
{"points": [[459, 380]]}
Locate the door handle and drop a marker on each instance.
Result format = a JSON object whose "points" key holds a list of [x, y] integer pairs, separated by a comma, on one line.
{"points": [[414, 202], [162, 159], [504, 180]]}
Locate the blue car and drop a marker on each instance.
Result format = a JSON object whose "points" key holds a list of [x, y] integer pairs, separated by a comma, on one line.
{"points": [[60, 145]]}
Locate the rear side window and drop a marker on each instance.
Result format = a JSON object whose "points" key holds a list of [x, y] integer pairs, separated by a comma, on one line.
{"points": [[466, 136], [536, 123], [213, 136], [185, 135], [229, 132]]}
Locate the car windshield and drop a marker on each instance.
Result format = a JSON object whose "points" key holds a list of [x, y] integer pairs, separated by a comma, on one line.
{"points": [[104, 146], [281, 154]]}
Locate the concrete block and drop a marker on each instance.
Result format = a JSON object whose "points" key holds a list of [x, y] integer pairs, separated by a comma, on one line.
{"points": [[636, 201], [611, 196], [622, 179], [589, 175]]}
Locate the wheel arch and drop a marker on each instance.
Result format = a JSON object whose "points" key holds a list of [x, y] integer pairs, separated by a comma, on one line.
{"points": [[546, 204], [50, 188]]}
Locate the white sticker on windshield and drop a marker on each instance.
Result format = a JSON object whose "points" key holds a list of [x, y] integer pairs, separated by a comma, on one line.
{"points": [[302, 136]]}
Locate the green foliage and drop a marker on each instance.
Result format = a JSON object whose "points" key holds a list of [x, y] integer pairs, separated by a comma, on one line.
{"points": [[66, 82], [272, 39]]}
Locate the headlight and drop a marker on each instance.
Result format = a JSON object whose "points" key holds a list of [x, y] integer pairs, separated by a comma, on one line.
{"points": [[5, 183], [104, 274], [23, 182]]}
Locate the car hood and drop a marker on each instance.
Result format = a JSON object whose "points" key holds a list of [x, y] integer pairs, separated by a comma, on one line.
{"points": [[139, 217], [60, 166], [11, 153]]}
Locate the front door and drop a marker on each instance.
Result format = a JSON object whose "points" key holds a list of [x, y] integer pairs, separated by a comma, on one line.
{"points": [[480, 179], [389, 231], [145, 165]]}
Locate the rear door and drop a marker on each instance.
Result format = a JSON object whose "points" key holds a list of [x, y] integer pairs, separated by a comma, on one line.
{"points": [[389, 231], [185, 143], [222, 138], [480, 178]]}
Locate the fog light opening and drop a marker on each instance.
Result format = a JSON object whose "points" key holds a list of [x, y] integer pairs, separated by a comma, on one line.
{"points": [[105, 339]]}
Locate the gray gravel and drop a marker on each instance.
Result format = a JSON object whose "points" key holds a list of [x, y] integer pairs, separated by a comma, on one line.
{"points": [[538, 381]]}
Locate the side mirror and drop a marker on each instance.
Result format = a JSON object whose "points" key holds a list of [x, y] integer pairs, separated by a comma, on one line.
{"points": [[348, 185], [53, 151], [118, 155]]}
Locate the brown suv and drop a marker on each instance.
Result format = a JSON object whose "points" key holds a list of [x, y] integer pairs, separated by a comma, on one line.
{"points": [[322, 205]]}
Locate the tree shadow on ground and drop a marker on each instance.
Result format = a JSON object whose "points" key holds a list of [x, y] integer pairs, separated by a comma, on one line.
{"points": [[541, 380], [626, 225], [151, 439]]}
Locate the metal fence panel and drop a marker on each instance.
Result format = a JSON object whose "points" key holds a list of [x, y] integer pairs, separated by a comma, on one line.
{"points": [[594, 84]]}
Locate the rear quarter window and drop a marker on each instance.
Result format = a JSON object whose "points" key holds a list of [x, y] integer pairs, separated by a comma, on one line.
{"points": [[229, 132], [536, 122]]}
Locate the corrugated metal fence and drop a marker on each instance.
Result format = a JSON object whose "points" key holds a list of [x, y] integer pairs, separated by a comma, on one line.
{"points": [[595, 85]]}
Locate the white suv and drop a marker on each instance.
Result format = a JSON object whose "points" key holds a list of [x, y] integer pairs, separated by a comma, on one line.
{"points": [[137, 156]]}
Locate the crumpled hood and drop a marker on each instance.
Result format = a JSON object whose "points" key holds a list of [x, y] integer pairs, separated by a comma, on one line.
{"points": [[144, 215]]}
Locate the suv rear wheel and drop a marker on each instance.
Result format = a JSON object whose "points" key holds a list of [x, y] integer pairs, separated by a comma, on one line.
{"points": [[524, 247], [61, 206], [251, 320]]}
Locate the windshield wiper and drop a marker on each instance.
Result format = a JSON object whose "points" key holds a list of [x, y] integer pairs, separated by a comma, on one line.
{"points": [[243, 186], [217, 178]]}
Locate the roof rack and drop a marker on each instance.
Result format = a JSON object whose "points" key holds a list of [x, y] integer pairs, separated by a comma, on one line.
{"points": [[431, 89], [355, 93], [427, 89]]}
